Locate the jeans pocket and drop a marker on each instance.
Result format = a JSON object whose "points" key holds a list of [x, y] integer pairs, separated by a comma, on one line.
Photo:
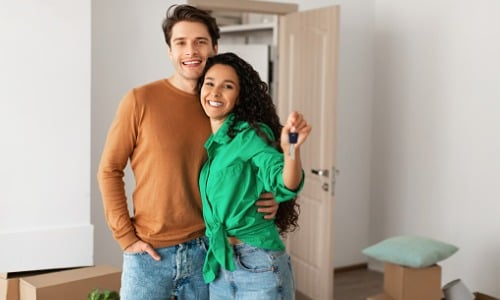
{"points": [[254, 259], [203, 242], [131, 254]]}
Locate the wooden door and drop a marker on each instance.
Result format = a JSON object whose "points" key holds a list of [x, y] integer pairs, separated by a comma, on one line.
{"points": [[308, 83]]}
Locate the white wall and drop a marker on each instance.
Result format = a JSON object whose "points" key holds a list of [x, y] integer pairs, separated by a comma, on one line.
{"points": [[128, 50], [45, 143], [354, 120], [436, 136]]}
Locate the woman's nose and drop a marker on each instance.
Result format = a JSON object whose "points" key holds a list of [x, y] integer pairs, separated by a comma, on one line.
{"points": [[215, 92]]}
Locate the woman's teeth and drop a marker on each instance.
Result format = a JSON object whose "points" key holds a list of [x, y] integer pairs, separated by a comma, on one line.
{"points": [[215, 103]]}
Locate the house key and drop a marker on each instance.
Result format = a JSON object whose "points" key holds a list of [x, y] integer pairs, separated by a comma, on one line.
{"points": [[292, 139]]}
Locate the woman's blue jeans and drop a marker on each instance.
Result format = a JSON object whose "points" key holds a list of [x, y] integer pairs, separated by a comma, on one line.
{"points": [[176, 276], [260, 275]]}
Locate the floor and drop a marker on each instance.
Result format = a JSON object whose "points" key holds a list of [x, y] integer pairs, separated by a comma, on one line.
{"points": [[356, 284]]}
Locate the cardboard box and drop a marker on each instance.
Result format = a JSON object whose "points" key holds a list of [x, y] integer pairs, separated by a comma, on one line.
{"points": [[403, 283], [480, 296], [9, 284], [9, 287], [69, 284], [382, 296]]}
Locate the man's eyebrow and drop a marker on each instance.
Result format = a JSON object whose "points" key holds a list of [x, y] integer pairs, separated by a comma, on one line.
{"points": [[184, 38]]}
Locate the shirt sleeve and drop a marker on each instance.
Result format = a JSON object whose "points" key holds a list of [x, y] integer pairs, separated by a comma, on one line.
{"points": [[269, 163], [119, 146]]}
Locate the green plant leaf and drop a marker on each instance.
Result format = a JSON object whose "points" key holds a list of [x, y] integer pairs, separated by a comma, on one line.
{"points": [[104, 295], [94, 295]]}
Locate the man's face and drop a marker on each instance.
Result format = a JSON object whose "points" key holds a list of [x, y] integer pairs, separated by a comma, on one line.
{"points": [[190, 46]]}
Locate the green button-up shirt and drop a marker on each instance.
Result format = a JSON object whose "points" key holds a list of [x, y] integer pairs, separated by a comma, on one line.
{"points": [[237, 171]]}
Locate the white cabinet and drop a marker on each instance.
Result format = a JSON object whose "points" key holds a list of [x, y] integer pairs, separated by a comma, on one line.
{"points": [[257, 44]]}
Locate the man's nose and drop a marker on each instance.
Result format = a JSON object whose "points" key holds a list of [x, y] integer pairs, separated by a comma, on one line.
{"points": [[192, 48]]}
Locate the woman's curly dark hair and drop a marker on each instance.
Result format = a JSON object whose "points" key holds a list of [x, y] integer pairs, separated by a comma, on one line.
{"points": [[256, 106]]}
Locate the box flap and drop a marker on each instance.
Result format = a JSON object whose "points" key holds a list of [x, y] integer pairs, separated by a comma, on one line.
{"points": [[480, 296], [9, 289], [10, 275], [62, 277], [70, 284]]}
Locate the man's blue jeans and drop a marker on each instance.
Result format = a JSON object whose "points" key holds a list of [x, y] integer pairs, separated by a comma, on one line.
{"points": [[260, 275], [176, 276]]}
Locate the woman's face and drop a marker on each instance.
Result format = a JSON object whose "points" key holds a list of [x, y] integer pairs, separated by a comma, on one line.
{"points": [[220, 91]]}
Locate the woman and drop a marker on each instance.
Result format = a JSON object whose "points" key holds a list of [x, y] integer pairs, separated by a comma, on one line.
{"points": [[246, 258]]}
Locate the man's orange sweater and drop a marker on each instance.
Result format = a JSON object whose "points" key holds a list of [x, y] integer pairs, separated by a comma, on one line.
{"points": [[162, 131]]}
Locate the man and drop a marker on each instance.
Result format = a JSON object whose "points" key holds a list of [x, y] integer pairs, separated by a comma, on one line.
{"points": [[162, 128]]}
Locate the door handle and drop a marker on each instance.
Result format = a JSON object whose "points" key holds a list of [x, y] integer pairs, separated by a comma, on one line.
{"points": [[320, 172]]}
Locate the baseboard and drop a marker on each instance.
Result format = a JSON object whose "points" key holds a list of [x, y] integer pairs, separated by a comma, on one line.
{"points": [[375, 265], [360, 266]]}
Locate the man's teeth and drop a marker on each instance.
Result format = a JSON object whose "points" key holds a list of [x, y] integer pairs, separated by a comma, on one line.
{"points": [[215, 103], [191, 62]]}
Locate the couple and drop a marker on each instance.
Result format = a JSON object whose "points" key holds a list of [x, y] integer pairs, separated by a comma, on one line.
{"points": [[230, 158]]}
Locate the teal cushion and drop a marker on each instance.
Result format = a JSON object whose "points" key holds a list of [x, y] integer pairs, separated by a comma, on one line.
{"points": [[410, 251]]}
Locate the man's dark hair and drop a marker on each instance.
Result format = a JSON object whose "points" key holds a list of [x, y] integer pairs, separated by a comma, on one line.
{"points": [[177, 13]]}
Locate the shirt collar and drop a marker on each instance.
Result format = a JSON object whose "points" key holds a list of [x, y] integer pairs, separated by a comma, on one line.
{"points": [[221, 136]]}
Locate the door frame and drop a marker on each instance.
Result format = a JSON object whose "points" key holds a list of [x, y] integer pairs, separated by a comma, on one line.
{"points": [[267, 7]]}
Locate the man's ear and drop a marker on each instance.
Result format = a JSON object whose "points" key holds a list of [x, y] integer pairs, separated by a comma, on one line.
{"points": [[216, 49], [169, 51]]}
